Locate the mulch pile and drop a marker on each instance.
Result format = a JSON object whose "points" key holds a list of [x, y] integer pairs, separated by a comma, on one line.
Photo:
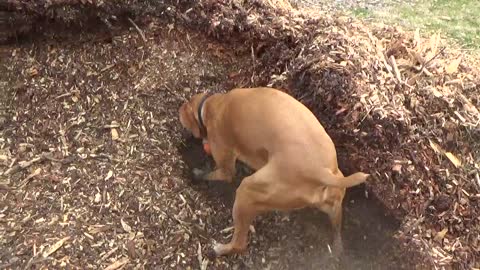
{"points": [[404, 106]]}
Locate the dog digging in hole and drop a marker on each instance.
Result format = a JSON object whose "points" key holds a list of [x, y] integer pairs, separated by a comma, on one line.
{"points": [[293, 158]]}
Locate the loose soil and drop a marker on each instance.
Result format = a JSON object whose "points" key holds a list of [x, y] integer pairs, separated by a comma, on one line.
{"points": [[133, 197]]}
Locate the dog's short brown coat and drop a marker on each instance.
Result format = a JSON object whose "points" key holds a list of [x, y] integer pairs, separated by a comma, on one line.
{"points": [[294, 158]]}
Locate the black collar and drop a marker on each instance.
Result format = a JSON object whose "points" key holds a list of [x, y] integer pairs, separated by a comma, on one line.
{"points": [[201, 125]]}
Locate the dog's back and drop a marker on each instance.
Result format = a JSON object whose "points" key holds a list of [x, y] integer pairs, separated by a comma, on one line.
{"points": [[269, 123], [269, 119]]}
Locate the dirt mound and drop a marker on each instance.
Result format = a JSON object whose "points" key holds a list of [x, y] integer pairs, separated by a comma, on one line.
{"points": [[399, 106]]}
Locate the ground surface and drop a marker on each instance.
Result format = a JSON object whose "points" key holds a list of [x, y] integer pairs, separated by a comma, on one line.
{"points": [[130, 197], [95, 173]]}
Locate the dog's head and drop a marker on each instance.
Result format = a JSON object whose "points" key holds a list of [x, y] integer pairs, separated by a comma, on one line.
{"points": [[189, 115]]}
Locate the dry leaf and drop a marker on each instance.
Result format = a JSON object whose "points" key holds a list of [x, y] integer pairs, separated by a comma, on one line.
{"points": [[440, 235], [125, 226], [117, 264], [55, 247], [457, 162], [453, 66]]}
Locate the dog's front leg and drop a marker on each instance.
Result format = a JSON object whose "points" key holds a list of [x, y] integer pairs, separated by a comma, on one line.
{"points": [[225, 166]]}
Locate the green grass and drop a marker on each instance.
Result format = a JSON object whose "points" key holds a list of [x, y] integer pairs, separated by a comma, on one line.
{"points": [[458, 19], [362, 12]]}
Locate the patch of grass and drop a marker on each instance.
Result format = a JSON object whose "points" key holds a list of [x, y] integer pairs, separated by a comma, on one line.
{"points": [[459, 19], [362, 12]]}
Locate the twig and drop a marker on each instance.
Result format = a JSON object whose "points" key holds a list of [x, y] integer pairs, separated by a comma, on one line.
{"points": [[395, 68], [108, 254], [199, 254], [415, 224], [30, 176], [138, 29], [252, 79], [477, 177], [5, 265], [424, 65], [174, 93], [365, 116], [63, 95], [384, 59], [42, 157], [117, 264], [23, 164], [423, 68], [35, 260], [5, 185]]}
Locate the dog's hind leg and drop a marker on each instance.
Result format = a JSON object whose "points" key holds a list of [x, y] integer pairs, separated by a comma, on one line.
{"points": [[335, 216], [333, 208], [243, 213], [249, 199]]}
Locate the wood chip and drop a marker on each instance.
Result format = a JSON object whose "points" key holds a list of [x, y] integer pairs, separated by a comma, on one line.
{"points": [[125, 226], [114, 134], [131, 249], [55, 247], [440, 235], [30, 176], [457, 162], [397, 168], [436, 147], [109, 175], [117, 264]]}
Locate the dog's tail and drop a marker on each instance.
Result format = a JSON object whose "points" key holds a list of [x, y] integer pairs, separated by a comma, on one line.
{"points": [[339, 181]]}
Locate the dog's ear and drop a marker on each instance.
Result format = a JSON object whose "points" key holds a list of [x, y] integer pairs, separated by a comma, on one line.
{"points": [[188, 119]]}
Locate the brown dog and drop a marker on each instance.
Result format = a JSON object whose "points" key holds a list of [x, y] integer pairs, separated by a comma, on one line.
{"points": [[294, 158]]}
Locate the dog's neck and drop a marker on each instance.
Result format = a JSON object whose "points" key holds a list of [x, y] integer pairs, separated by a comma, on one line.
{"points": [[201, 122]]}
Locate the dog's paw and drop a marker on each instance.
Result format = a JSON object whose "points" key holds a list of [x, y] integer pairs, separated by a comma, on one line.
{"points": [[197, 174], [337, 249], [220, 249]]}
